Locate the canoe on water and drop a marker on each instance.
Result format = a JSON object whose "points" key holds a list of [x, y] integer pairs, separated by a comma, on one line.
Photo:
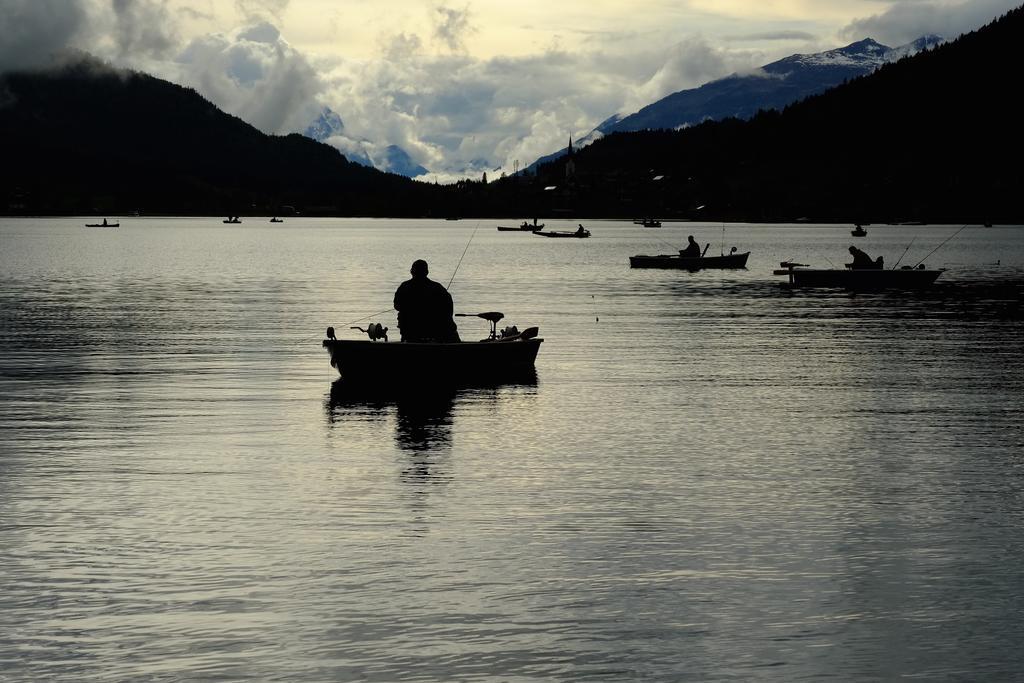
{"points": [[689, 262]]}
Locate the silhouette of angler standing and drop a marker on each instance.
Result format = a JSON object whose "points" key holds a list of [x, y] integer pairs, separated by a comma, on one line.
{"points": [[861, 261], [424, 308], [692, 248]]}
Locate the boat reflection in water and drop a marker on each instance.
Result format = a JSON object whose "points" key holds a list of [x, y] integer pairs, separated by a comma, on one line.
{"points": [[422, 413]]}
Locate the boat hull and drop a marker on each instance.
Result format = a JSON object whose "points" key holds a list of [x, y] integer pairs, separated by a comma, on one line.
{"points": [[509, 228], [863, 279], [577, 235], [674, 261], [483, 361]]}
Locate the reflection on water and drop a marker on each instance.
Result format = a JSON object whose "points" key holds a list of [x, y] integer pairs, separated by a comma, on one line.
{"points": [[423, 413], [714, 478]]}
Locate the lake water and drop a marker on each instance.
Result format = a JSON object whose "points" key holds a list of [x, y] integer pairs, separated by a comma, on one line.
{"points": [[711, 478]]}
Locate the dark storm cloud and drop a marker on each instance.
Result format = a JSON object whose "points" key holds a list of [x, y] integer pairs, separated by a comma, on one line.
{"points": [[35, 32], [909, 20]]}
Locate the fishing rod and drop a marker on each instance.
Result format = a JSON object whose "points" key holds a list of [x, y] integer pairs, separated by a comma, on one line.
{"points": [[386, 310], [940, 245], [903, 254], [448, 286]]}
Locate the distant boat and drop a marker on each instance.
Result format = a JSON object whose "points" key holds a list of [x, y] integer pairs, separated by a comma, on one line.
{"points": [[858, 279], [275, 219], [649, 223], [676, 261], [104, 224], [500, 355], [232, 219], [859, 231], [580, 233], [524, 227]]}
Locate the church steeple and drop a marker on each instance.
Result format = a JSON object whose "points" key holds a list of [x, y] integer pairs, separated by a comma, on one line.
{"points": [[569, 151]]}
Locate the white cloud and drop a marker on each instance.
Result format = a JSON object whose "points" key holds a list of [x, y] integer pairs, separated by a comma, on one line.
{"points": [[254, 74]]}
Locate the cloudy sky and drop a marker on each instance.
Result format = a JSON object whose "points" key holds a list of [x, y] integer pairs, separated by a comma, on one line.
{"points": [[461, 86]]}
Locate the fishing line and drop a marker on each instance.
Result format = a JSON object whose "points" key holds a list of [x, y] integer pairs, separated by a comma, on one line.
{"points": [[387, 310], [463, 255], [359, 320], [904, 253], [940, 246]]}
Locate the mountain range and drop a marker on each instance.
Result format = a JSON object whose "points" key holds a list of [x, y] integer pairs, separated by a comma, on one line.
{"points": [[330, 129], [934, 137], [87, 138], [773, 86]]}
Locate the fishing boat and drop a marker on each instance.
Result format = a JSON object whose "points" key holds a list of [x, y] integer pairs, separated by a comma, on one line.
{"points": [[233, 219], [500, 355], [275, 219], [680, 262], [525, 227], [104, 224], [907, 277], [859, 231], [649, 223], [564, 233]]}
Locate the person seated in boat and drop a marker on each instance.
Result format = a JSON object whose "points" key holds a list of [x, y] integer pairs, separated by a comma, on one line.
{"points": [[425, 308], [692, 248], [861, 261], [580, 230], [104, 221]]}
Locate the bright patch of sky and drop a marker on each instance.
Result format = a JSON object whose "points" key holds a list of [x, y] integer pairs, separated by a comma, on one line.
{"points": [[462, 86]]}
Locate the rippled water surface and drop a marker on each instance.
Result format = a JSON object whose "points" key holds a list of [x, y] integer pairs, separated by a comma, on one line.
{"points": [[710, 477]]}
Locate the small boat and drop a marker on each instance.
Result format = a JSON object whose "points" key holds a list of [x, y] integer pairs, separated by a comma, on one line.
{"points": [[104, 224], [859, 231], [233, 219], [275, 219], [560, 233], [525, 227], [906, 277], [500, 355], [649, 223], [677, 261]]}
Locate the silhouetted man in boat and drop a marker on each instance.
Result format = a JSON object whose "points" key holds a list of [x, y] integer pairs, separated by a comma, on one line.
{"points": [[861, 261], [424, 308], [692, 248]]}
